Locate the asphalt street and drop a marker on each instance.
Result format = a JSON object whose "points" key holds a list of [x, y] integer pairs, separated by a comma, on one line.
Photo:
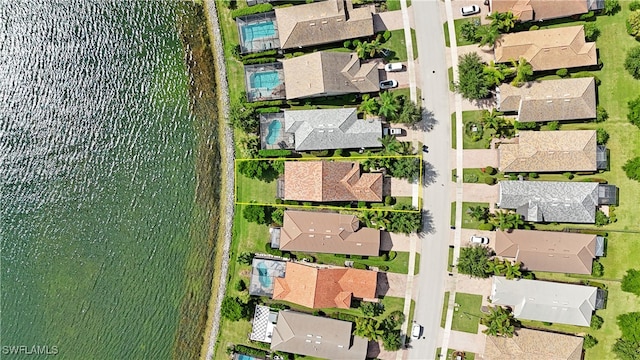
{"points": [[430, 284]]}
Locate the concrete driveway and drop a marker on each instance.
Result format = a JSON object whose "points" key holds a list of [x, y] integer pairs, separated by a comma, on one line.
{"points": [[484, 9], [478, 158], [391, 284], [402, 77], [479, 193], [394, 241], [466, 234], [401, 187]]}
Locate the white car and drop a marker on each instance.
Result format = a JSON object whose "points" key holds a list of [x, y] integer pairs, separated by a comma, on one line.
{"points": [[469, 10], [416, 331], [391, 131], [393, 67], [479, 240], [388, 84]]}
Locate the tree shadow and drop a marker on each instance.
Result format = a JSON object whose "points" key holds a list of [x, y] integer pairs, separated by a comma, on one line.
{"points": [[487, 103], [427, 223], [429, 173], [428, 121]]}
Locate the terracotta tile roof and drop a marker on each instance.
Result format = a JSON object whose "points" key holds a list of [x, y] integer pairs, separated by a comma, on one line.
{"points": [[550, 100], [551, 251], [548, 49], [331, 233], [329, 73], [322, 22], [533, 345], [527, 10], [324, 181], [324, 287], [550, 151]]}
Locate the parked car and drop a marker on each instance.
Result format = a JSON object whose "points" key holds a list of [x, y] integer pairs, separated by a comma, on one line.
{"points": [[388, 84], [479, 240], [469, 10], [425, 148], [391, 131], [416, 331], [393, 67]]}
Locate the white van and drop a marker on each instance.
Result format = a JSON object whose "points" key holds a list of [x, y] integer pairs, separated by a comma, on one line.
{"points": [[393, 67]]}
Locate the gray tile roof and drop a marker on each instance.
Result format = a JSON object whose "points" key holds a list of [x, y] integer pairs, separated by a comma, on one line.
{"points": [[546, 301], [326, 73], [316, 336], [551, 201], [550, 100], [331, 129]]}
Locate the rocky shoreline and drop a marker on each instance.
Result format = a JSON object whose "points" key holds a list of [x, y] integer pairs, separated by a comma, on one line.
{"points": [[227, 150]]}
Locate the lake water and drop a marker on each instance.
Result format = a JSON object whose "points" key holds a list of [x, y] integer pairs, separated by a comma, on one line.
{"points": [[98, 156]]}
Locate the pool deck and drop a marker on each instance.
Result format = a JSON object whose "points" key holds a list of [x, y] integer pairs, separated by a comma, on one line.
{"points": [[283, 141]]}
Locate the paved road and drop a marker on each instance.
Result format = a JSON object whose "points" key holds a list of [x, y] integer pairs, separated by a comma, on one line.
{"points": [[429, 285]]}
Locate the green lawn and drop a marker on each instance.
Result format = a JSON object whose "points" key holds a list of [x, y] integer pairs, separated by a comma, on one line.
{"points": [[452, 88], [416, 268], [253, 190], [400, 264], [397, 45], [460, 41], [393, 5], [467, 141], [414, 43], [445, 306], [450, 259], [467, 315], [467, 221]]}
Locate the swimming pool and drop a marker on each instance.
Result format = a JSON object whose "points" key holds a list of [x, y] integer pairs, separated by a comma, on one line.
{"points": [[257, 31], [274, 132], [263, 274], [264, 80], [246, 357]]}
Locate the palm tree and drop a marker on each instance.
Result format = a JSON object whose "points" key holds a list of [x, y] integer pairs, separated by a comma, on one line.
{"points": [[496, 266], [487, 35], [368, 328], [390, 144], [380, 220], [499, 322], [492, 119], [406, 148], [388, 105], [512, 270], [479, 213], [523, 71], [373, 47], [503, 21], [494, 74], [361, 49], [369, 105], [501, 219]]}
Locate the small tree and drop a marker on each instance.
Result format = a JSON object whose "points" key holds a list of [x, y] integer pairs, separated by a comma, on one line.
{"points": [[632, 168], [256, 213], [245, 258], [634, 111], [369, 105], [611, 7], [473, 261], [597, 269], [626, 349], [468, 30], [368, 328], [591, 31], [589, 342], [523, 71], [602, 136], [499, 322], [596, 322], [601, 218], [234, 309], [502, 21], [487, 35], [404, 222], [632, 61], [629, 325], [240, 285], [633, 24], [631, 281], [634, 5], [471, 84], [371, 309], [392, 340]]}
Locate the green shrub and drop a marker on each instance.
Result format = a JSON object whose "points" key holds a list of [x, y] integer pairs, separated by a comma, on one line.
{"points": [[470, 178], [490, 170], [589, 342], [256, 9], [513, 176], [320, 153], [562, 72], [601, 218], [602, 136], [388, 200], [268, 53], [347, 44], [596, 322], [259, 104], [240, 285], [356, 257], [291, 202], [534, 175], [597, 269], [386, 35], [274, 153], [546, 323], [553, 125], [531, 125], [568, 175], [338, 152], [611, 7], [266, 60], [631, 282], [268, 110], [601, 114], [392, 255], [362, 205], [383, 268], [587, 16], [307, 203], [534, 27], [385, 257], [359, 265], [489, 180], [486, 227], [634, 5]]}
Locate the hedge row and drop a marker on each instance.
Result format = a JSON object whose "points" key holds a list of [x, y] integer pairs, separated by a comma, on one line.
{"points": [[268, 110], [250, 351], [274, 153], [267, 53], [261, 8], [266, 60], [259, 104]]}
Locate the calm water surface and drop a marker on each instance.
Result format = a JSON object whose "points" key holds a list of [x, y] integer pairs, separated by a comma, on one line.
{"points": [[97, 177]]}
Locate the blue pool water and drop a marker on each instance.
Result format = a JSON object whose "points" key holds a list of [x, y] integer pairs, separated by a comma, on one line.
{"points": [[263, 274], [246, 357], [274, 132], [257, 31], [264, 80]]}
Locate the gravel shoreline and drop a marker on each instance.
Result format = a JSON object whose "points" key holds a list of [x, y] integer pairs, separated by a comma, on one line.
{"points": [[227, 149]]}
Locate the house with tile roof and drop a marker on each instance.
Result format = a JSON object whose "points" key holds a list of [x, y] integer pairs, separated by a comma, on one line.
{"points": [[547, 301], [329, 233], [316, 336], [326, 181], [328, 129], [549, 100], [323, 22], [556, 201], [530, 344], [316, 287], [550, 251], [326, 73], [553, 151], [547, 49], [539, 10]]}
